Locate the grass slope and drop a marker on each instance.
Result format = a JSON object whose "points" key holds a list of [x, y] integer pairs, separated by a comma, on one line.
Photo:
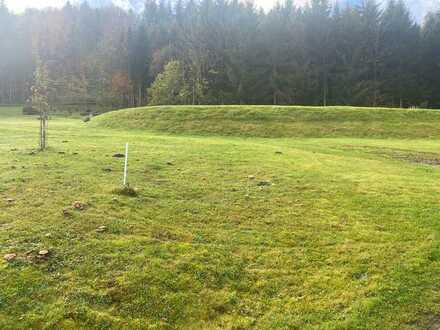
{"points": [[345, 236], [267, 121]]}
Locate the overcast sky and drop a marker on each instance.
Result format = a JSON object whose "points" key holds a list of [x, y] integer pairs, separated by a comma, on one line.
{"points": [[20, 5], [418, 7]]}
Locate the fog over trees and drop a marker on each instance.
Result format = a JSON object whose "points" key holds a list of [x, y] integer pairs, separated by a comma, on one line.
{"points": [[223, 52]]}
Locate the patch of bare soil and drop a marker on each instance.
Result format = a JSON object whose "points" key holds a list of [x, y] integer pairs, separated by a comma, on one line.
{"points": [[425, 321], [427, 158], [432, 322]]}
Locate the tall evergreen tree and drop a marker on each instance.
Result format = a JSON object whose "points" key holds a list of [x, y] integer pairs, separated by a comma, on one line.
{"points": [[400, 52], [430, 61], [319, 49]]}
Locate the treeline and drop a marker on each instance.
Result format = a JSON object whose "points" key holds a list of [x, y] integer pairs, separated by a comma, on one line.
{"points": [[224, 52]]}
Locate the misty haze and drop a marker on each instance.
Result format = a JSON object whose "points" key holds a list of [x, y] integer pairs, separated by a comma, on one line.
{"points": [[219, 164]]}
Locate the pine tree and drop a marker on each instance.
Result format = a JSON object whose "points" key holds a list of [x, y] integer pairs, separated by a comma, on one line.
{"points": [[400, 53], [319, 49], [370, 60], [430, 60]]}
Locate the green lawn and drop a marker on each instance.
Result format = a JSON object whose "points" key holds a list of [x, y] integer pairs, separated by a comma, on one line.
{"points": [[333, 224]]}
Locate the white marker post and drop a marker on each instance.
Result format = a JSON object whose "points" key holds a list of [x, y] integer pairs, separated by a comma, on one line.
{"points": [[126, 165]]}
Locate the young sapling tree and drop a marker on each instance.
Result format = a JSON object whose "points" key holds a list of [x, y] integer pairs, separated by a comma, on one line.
{"points": [[40, 100]]}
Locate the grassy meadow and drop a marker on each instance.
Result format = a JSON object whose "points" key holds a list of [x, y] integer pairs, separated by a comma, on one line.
{"points": [[245, 218]]}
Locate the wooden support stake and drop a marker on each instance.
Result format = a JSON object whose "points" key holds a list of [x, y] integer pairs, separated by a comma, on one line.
{"points": [[126, 165]]}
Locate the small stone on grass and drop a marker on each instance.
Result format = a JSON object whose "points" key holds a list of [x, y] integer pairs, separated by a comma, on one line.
{"points": [[79, 206], [43, 253], [67, 213], [10, 257], [264, 184], [101, 229]]}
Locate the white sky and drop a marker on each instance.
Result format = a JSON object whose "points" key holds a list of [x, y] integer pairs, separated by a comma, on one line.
{"points": [[419, 7], [21, 5]]}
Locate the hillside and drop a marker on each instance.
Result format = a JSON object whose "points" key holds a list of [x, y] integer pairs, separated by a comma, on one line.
{"points": [[278, 122]]}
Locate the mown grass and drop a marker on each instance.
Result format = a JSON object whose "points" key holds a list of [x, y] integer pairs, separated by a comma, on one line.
{"points": [[277, 121], [341, 235]]}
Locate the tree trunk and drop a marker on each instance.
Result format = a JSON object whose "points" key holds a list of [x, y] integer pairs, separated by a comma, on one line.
{"points": [[325, 85], [43, 131], [140, 96], [194, 93]]}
